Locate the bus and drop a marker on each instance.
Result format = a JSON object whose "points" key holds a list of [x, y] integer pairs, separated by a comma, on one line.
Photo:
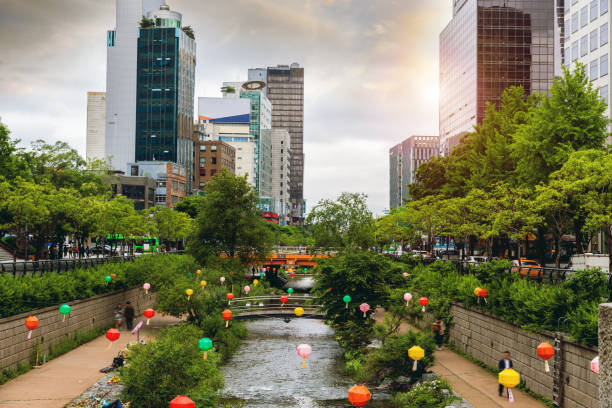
{"points": [[145, 244]]}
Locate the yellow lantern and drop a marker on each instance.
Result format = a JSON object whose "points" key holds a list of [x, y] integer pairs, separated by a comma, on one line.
{"points": [[476, 291], [298, 311], [189, 292], [255, 282], [203, 283], [198, 272], [416, 353], [509, 379]]}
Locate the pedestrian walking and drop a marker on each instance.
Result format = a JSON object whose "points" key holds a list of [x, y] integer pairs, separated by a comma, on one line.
{"points": [[87, 252], [438, 330], [118, 316], [128, 314], [65, 251], [504, 363]]}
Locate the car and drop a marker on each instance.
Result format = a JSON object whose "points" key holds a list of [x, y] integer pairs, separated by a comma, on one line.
{"points": [[103, 250], [526, 267], [475, 260]]}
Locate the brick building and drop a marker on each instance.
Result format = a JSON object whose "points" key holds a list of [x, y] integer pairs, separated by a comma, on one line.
{"points": [[211, 157]]}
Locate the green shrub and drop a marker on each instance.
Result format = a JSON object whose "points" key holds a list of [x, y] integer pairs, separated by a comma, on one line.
{"points": [[434, 394]]}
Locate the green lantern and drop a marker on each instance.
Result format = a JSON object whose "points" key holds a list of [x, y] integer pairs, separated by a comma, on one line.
{"points": [[65, 310], [347, 300], [290, 290], [205, 344], [305, 269], [108, 278], [261, 275], [190, 275]]}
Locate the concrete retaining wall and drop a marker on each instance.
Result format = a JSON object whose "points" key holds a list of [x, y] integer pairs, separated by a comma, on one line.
{"points": [[87, 313], [486, 337]]}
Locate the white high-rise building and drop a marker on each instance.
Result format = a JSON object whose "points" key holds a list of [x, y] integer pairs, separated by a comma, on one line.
{"points": [[121, 71], [281, 172], [96, 112]]}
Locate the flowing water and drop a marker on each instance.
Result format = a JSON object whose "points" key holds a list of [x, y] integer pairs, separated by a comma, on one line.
{"points": [[266, 372]]}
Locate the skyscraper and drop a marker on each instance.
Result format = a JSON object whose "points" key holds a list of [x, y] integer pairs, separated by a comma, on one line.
{"points": [[285, 90], [96, 112], [121, 80], [488, 46], [164, 92], [281, 174]]}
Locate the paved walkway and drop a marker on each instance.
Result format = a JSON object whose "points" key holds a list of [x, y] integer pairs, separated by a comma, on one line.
{"points": [[61, 380]]}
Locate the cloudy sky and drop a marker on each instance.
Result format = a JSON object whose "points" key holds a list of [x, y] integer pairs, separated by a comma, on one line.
{"points": [[371, 70]]}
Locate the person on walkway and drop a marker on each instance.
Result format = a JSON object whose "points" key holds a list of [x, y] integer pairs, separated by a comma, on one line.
{"points": [[128, 313], [504, 363], [65, 251], [118, 316], [438, 330]]}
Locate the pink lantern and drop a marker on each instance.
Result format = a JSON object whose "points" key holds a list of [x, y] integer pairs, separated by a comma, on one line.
{"points": [[364, 307], [222, 279], [405, 274], [146, 287], [247, 289], [595, 365], [407, 298], [304, 350]]}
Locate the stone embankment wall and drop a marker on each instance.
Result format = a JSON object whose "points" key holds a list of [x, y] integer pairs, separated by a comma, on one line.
{"points": [[86, 314], [485, 337]]}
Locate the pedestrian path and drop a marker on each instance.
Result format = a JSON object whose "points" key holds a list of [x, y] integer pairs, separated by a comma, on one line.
{"points": [[61, 380]]}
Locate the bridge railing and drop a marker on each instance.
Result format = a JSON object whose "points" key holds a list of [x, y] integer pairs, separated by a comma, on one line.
{"points": [[273, 304]]}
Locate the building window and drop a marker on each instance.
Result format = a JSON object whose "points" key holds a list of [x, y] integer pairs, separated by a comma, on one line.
{"points": [[202, 184], [593, 40], [161, 183], [574, 51], [603, 34], [593, 9], [567, 30], [213, 160], [160, 199], [567, 57], [202, 148], [603, 7], [575, 22], [175, 199], [593, 71], [175, 185], [584, 16], [213, 148], [213, 172], [603, 65], [202, 161], [603, 92], [584, 45]]}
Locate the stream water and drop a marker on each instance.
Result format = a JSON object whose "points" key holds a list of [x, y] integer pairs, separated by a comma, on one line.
{"points": [[266, 372]]}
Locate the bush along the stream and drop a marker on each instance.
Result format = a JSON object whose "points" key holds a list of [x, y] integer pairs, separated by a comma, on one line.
{"points": [[433, 394]]}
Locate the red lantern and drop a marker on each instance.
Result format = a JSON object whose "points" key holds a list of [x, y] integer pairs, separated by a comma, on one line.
{"points": [[546, 352], [31, 323], [227, 315], [483, 293], [423, 301], [359, 395], [182, 402], [273, 269], [149, 313], [230, 297], [112, 335], [113, 276], [284, 300], [292, 274]]}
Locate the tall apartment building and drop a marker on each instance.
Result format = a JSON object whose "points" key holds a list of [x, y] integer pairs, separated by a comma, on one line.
{"points": [[281, 174], [587, 40], [121, 75], [284, 87], [165, 89], [96, 114], [488, 46], [404, 160]]}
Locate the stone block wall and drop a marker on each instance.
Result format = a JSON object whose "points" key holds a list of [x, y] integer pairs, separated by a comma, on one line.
{"points": [[486, 337], [86, 313]]}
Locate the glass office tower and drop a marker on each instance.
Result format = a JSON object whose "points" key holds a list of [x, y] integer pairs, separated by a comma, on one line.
{"points": [[165, 89], [488, 46]]}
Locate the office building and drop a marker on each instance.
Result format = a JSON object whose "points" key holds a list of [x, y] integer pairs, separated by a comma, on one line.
{"points": [[281, 174], [171, 179], [165, 90], [96, 113], [138, 189], [587, 40], [404, 160], [212, 156], [284, 87], [488, 46], [121, 74]]}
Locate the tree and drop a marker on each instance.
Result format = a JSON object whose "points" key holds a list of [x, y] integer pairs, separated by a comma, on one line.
{"points": [[172, 225], [189, 32], [571, 119], [189, 205], [11, 163], [228, 222], [343, 223], [429, 179]]}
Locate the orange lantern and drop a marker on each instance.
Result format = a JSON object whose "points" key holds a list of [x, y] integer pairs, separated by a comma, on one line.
{"points": [[227, 315], [149, 313], [483, 293], [359, 395], [112, 335], [546, 351], [229, 296], [182, 401], [31, 323], [113, 276]]}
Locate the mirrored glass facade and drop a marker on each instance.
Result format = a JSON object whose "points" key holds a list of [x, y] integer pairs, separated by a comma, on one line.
{"points": [[488, 46]]}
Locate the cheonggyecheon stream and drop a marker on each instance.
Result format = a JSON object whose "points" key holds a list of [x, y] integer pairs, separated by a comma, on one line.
{"points": [[267, 372]]}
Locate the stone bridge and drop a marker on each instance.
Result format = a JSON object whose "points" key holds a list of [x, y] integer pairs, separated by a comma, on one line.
{"points": [[260, 307]]}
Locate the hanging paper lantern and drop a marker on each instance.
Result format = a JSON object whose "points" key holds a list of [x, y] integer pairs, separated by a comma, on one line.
{"points": [[290, 291], [261, 275], [546, 351], [364, 307], [298, 311], [112, 335], [483, 293], [273, 269], [305, 269], [359, 395], [595, 365], [31, 323], [113, 276], [65, 310], [247, 289], [198, 272], [255, 282], [108, 278], [509, 379], [227, 316], [190, 274], [268, 268], [203, 283], [292, 274], [146, 287], [477, 291], [230, 297], [284, 300], [423, 301], [346, 299], [416, 353], [222, 279], [405, 274], [182, 402], [407, 297], [205, 344], [189, 292], [148, 313], [304, 350]]}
